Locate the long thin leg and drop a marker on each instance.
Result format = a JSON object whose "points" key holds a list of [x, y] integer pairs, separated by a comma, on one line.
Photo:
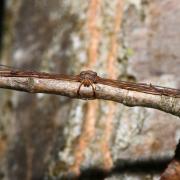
{"points": [[93, 88], [78, 91], [157, 90], [91, 84]]}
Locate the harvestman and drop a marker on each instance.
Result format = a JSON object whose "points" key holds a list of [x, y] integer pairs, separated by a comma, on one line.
{"points": [[87, 78], [90, 78]]}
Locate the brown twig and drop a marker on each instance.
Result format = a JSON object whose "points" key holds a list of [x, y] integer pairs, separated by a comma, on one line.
{"points": [[130, 94]]}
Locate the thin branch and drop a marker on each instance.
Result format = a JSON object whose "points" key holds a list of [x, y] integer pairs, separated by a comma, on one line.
{"points": [[107, 92]]}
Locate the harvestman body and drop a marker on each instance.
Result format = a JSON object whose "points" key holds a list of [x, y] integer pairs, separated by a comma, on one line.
{"points": [[87, 78]]}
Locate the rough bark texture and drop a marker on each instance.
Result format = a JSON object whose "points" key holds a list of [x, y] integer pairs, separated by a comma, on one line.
{"points": [[52, 136]]}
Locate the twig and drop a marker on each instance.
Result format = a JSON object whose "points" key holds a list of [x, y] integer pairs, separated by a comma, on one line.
{"points": [[69, 88]]}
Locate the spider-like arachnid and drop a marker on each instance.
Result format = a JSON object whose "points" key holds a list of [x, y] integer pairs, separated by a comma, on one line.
{"points": [[87, 78]]}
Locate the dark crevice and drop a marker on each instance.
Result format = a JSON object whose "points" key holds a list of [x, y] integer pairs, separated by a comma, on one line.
{"points": [[177, 152], [2, 12]]}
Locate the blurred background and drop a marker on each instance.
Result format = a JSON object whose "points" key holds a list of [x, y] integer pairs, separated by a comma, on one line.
{"points": [[53, 137]]}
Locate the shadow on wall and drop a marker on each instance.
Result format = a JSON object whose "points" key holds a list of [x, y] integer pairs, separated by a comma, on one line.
{"points": [[139, 166]]}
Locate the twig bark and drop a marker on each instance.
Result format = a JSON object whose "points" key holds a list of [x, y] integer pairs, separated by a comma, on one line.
{"points": [[69, 88]]}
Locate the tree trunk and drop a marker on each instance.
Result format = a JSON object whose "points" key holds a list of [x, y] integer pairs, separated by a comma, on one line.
{"points": [[54, 137]]}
